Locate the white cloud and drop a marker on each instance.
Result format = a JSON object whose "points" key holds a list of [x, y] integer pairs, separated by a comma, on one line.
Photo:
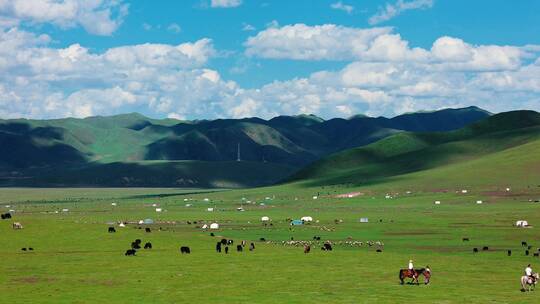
{"points": [[225, 3], [174, 28], [343, 7], [392, 10], [321, 42], [246, 27], [384, 75], [99, 17], [379, 44]]}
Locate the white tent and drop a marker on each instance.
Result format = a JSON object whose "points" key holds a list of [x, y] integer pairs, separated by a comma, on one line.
{"points": [[306, 219], [265, 219], [121, 225], [437, 202], [205, 226], [479, 202], [141, 222], [158, 210], [315, 197], [154, 205], [65, 210], [210, 209], [214, 226], [206, 199], [113, 204], [522, 223], [364, 220]]}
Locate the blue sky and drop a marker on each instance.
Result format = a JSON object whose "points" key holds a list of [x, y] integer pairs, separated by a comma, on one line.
{"points": [[236, 58]]}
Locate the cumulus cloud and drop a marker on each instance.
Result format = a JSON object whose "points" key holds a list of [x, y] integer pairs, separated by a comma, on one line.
{"points": [[343, 7], [99, 17], [225, 3], [383, 75], [390, 11]]}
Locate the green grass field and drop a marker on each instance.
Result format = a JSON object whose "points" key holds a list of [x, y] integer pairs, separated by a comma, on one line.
{"points": [[76, 261]]}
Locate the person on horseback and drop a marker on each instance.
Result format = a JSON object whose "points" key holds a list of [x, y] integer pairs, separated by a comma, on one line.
{"points": [[411, 268], [529, 273]]}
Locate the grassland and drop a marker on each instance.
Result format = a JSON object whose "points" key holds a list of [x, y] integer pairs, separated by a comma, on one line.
{"points": [[76, 261]]}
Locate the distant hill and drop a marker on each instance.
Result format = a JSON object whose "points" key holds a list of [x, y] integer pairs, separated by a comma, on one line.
{"points": [[133, 150], [423, 153]]}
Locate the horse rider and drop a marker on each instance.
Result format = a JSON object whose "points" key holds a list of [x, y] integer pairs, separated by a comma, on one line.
{"points": [[411, 268], [529, 273]]}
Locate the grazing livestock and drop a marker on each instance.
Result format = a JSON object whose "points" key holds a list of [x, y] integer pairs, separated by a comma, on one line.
{"points": [[536, 254], [251, 247], [523, 243], [243, 243], [379, 250], [218, 247], [230, 242], [148, 245], [138, 241], [6, 216], [135, 245], [130, 252], [526, 252], [327, 247], [485, 248], [226, 249], [307, 248], [475, 250], [147, 229], [466, 239], [111, 230], [30, 248], [212, 234], [262, 239], [17, 225], [23, 249], [239, 248], [185, 249], [224, 241], [509, 252], [529, 247]]}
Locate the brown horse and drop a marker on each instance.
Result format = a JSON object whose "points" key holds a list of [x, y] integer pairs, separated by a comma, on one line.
{"points": [[407, 273]]}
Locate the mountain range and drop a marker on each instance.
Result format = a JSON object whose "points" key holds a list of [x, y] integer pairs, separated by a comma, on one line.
{"points": [[134, 150]]}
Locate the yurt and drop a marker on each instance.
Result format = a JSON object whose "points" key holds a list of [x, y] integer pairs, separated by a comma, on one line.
{"points": [[306, 219], [214, 226]]}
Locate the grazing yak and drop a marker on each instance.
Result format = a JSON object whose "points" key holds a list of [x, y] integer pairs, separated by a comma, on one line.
{"points": [[239, 248], [485, 248], [466, 239], [130, 252], [218, 247], [185, 249], [148, 245], [224, 241], [523, 243], [475, 250], [226, 249], [136, 244], [251, 247], [509, 252], [307, 248], [147, 229], [327, 247], [262, 239], [6, 216], [111, 230]]}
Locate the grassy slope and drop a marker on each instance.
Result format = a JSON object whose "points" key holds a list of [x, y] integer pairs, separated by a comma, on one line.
{"points": [[411, 152]]}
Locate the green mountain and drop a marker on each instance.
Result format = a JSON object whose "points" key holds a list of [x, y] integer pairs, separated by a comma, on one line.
{"points": [[510, 137], [133, 150]]}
